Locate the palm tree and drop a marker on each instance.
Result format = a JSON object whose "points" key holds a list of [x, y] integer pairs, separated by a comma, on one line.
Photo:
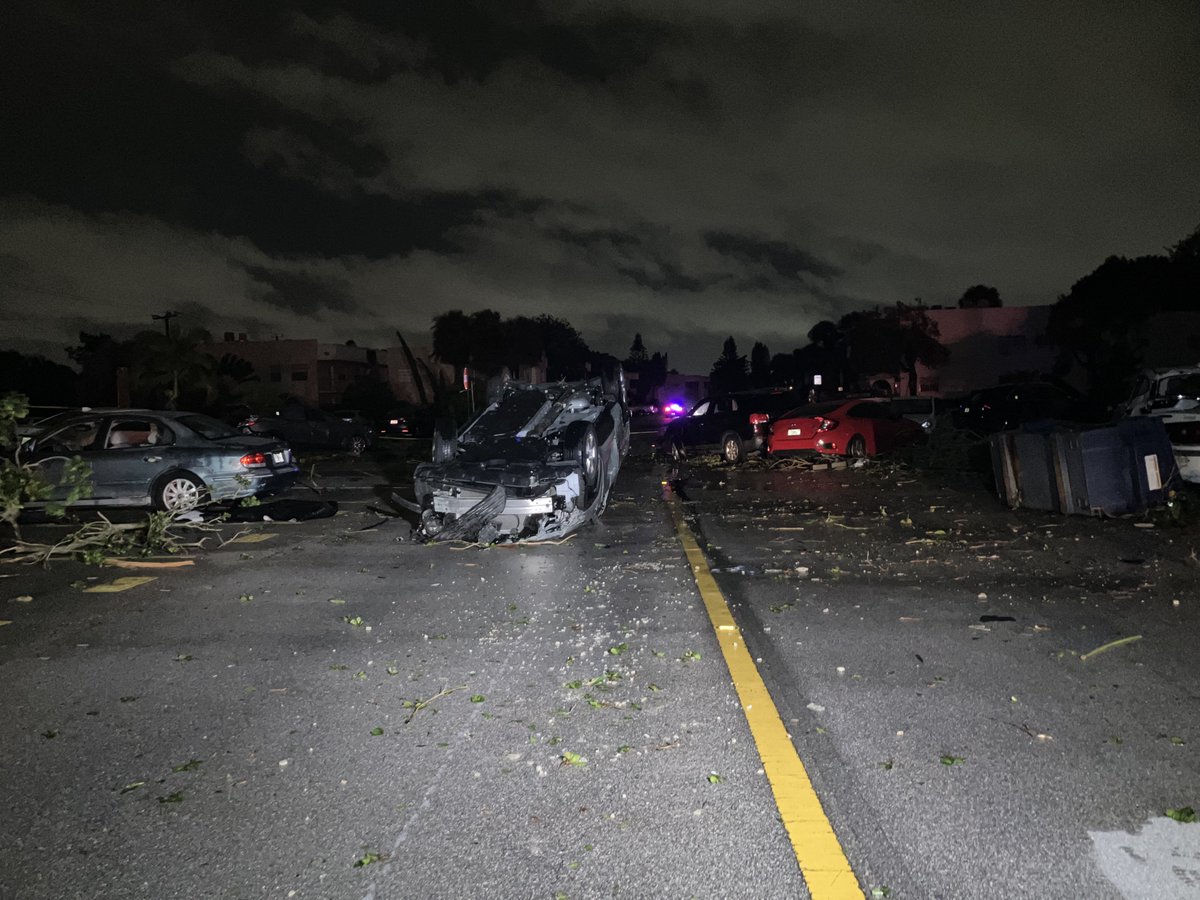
{"points": [[169, 367]]}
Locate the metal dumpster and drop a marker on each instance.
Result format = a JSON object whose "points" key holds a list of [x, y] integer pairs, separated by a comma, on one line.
{"points": [[1125, 468], [1109, 471]]}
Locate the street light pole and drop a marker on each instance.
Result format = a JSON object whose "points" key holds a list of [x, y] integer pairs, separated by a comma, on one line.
{"points": [[166, 318]]}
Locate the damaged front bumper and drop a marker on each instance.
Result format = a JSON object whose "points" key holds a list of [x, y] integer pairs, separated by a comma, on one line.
{"points": [[530, 502]]}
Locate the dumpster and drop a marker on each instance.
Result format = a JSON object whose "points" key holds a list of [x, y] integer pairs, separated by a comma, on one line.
{"points": [[1109, 471], [1023, 464]]}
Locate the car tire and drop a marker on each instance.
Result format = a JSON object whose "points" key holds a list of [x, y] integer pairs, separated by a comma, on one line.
{"points": [[445, 440], [357, 445], [178, 492], [613, 383], [856, 448], [731, 448]]}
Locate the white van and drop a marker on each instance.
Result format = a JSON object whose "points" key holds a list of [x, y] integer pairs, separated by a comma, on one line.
{"points": [[1173, 395]]}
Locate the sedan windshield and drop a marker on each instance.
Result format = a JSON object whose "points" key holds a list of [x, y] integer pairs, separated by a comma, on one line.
{"points": [[208, 427]]}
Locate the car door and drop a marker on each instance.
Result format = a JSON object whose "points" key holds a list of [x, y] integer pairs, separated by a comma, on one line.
{"points": [[50, 453], [690, 428], [320, 428], [131, 457]]}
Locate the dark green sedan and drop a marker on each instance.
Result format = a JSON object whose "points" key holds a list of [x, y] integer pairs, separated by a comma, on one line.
{"points": [[165, 459]]}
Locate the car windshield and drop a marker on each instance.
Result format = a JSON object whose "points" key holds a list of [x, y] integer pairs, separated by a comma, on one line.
{"points": [[1180, 386], [207, 427]]}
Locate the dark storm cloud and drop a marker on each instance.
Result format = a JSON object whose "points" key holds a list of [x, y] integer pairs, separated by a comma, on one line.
{"points": [[740, 165], [786, 260], [300, 293], [664, 276], [140, 139]]}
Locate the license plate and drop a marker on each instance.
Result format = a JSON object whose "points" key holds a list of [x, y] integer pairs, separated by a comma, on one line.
{"points": [[793, 432], [278, 457]]}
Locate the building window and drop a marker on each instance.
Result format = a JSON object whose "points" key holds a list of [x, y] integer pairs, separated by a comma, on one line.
{"points": [[300, 375]]}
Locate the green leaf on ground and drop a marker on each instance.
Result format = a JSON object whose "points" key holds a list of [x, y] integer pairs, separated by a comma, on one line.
{"points": [[337, 601], [572, 759], [654, 687], [881, 891], [1183, 814], [392, 670], [624, 748], [360, 675], [366, 859], [338, 667], [887, 765], [948, 760], [176, 797], [689, 656], [190, 766], [246, 598], [376, 731], [573, 685], [132, 786], [477, 698], [714, 778], [618, 649], [356, 621], [183, 657]]}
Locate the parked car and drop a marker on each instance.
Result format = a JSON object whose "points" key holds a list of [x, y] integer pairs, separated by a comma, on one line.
{"points": [[538, 462], [732, 425], [1007, 406], [1173, 395], [305, 426], [923, 410], [165, 459], [855, 428], [406, 422]]}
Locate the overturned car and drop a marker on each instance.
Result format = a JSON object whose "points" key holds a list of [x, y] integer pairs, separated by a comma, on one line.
{"points": [[536, 464]]}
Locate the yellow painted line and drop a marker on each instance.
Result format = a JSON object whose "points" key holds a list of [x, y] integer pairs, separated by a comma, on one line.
{"points": [[820, 855], [121, 584], [252, 538]]}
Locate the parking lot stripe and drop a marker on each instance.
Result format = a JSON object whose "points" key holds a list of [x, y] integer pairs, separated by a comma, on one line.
{"points": [[120, 584], [822, 860]]}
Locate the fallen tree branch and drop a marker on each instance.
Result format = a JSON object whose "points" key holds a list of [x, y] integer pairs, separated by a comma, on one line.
{"points": [[1105, 647]]}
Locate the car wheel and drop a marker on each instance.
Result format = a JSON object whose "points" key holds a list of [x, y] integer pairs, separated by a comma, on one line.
{"points": [[613, 382], [731, 448], [445, 440], [357, 445], [857, 448], [590, 457], [178, 492]]}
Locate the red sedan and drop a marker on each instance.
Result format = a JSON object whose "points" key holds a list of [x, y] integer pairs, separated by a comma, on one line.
{"points": [[856, 428]]}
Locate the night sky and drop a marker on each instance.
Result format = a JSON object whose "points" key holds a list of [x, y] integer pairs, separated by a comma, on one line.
{"points": [[685, 170]]}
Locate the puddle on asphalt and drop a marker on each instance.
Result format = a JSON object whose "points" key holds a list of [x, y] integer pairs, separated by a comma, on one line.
{"points": [[1160, 861]]}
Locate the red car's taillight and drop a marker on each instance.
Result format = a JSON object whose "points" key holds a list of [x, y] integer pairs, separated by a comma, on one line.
{"points": [[827, 425], [254, 459], [759, 418]]}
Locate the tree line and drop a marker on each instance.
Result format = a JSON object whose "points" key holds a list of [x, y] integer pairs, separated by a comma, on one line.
{"points": [[1097, 326]]}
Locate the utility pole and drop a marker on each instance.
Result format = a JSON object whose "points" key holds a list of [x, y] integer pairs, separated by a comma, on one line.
{"points": [[166, 318]]}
